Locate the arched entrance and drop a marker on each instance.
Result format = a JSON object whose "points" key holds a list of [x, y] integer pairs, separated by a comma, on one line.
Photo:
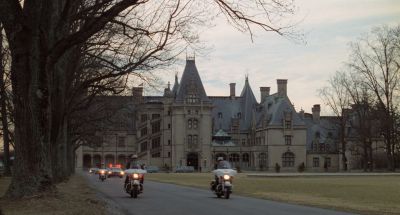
{"points": [[193, 160], [87, 161], [97, 161]]}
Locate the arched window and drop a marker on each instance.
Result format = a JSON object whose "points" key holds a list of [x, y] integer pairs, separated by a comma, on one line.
{"points": [[288, 159], [190, 123]]}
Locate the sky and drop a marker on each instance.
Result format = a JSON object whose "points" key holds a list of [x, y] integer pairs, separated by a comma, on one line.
{"points": [[329, 27]]}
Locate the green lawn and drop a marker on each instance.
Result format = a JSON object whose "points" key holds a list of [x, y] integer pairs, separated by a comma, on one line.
{"points": [[362, 194]]}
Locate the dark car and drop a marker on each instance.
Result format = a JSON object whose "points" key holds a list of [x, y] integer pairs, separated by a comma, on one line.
{"points": [[114, 171]]}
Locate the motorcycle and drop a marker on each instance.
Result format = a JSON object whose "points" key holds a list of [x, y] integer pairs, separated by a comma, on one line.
{"points": [[102, 175], [223, 183], [134, 186]]}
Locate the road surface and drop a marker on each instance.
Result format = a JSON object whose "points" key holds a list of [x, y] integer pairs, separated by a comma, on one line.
{"points": [[168, 199]]}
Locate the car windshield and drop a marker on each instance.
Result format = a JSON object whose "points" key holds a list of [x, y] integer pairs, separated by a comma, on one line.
{"points": [[224, 165]]}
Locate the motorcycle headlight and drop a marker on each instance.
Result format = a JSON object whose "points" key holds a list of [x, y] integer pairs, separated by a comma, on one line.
{"points": [[109, 172], [102, 172], [135, 176], [227, 177], [122, 173]]}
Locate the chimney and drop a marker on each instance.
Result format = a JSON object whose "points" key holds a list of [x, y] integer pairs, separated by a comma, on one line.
{"points": [[232, 89], [316, 110], [282, 87], [264, 91], [137, 93], [301, 114]]}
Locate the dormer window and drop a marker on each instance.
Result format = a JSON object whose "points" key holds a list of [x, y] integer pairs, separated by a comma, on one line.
{"points": [[239, 115], [220, 115], [192, 98], [317, 134], [288, 124]]}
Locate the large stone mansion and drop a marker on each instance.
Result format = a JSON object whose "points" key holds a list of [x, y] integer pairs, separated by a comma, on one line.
{"points": [[186, 127]]}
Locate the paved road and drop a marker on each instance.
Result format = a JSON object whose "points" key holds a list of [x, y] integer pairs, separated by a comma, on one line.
{"points": [[168, 199]]}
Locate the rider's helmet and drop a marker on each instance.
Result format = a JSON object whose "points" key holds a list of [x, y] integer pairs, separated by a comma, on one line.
{"points": [[220, 159], [134, 156]]}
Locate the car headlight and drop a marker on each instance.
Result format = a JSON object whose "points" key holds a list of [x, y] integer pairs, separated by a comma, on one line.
{"points": [[109, 172], [227, 177], [135, 176]]}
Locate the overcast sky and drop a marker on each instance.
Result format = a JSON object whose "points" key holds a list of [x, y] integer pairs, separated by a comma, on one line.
{"points": [[329, 26]]}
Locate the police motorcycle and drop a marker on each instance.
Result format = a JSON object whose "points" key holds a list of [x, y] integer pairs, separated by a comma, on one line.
{"points": [[222, 185], [102, 174], [134, 181]]}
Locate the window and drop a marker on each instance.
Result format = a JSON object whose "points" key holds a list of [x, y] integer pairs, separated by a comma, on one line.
{"points": [[143, 132], [155, 116], [190, 123], [195, 140], [327, 162], [155, 143], [195, 123], [234, 157], [316, 162], [189, 140], [288, 124], [169, 126], [155, 127], [143, 118], [288, 159], [189, 112], [330, 135], [121, 141], [169, 154], [288, 140], [156, 155], [169, 142], [143, 146], [219, 115], [192, 98], [243, 142], [245, 157], [262, 162], [169, 113], [321, 147], [327, 147], [197, 112], [317, 134], [239, 115]]}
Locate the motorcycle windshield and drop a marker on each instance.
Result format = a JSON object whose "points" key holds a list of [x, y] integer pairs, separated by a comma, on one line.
{"points": [[224, 165]]}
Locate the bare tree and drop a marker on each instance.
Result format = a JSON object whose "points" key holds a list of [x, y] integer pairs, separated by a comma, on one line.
{"points": [[336, 97], [47, 37], [376, 58]]}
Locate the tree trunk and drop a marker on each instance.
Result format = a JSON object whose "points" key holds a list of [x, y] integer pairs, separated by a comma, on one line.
{"points": [[3, 106]]}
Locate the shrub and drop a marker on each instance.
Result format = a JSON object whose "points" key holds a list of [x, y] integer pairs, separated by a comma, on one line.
{"points": [[301, 167], [277, 168]]}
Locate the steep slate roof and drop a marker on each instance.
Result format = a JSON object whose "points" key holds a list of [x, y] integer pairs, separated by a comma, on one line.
{"points": [[324, 126], [248, 105], [189, 78], [273, 109], [229, 109]]}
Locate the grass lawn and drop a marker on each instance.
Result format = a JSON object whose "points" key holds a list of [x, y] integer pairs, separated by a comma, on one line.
{"points": [[72, 197], [362, 194]]}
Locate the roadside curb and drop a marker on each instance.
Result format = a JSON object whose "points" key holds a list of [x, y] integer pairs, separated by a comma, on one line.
{"points": [[277, 175]]}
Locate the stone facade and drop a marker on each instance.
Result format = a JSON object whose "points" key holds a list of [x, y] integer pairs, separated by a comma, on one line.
{"points": [[185, 127]]}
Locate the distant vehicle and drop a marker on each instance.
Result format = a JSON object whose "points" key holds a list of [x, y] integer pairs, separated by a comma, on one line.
{"points": [[114, 171], [102, 174], [152, 169], [184, 169], [94, 170]]}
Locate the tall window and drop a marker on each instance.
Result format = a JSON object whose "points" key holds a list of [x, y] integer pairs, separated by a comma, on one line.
{"points": [[155, 116], [143, 118], [327, 162], [239, 115], [245, 157], [155, 127], [315, 161], [195, 139], [156, 155], [143, 146], [288, 124], [192, 99], [288, 140], [288, 159], [189, 140], [155, 143], [219, 115], [234, 157], [243, 142], [121, 141], [143, 132], [262, 160], [190, 123], [195, 123]]}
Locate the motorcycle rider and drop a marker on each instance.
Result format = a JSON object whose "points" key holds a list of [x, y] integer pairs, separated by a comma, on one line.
{"points": [[133, 164], [221, 164]]}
